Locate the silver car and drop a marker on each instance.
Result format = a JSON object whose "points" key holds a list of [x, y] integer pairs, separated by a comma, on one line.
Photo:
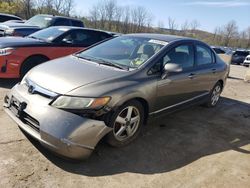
{"points": [[112, 89]]}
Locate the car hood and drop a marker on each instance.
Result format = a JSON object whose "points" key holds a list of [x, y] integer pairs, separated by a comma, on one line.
{"points": [[66, 74], [9, 25], [19, 42]]}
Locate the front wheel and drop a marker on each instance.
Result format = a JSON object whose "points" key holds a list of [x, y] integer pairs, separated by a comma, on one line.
{"points": [[214, 95], [126, 123]]}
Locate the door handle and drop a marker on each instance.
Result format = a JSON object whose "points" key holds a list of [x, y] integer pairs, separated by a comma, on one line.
{"points": [[191, 75], [213, 70]]}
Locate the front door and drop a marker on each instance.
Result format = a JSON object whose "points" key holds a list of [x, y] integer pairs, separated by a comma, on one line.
{"points": [[177, 88]]}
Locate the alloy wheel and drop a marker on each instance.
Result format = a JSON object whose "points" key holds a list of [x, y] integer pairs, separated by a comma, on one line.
{"points": [[126, 123], [215, 95]]}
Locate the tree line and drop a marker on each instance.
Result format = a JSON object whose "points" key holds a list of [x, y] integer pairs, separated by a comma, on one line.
{"points": [[29, 8], [109, 15]]}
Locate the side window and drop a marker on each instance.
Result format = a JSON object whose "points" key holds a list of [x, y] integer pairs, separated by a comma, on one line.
{"points": [[104, 36], [203, 55], [182, 55], [62, 22], [81, 38]]}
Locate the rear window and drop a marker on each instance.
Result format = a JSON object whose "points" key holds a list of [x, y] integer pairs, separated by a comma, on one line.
{"points": [[77, 23], [241, 53], [62, 22]]}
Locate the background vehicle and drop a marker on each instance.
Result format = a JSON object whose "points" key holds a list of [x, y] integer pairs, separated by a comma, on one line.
{"points": [[112, 89], [8, 17], [239, 56], [18, 55], [218, 50], [223, 54], [37, 23], [247, 61], [5, 18]]}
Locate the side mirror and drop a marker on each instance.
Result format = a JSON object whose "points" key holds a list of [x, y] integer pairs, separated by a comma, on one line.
{"points": [[67, 41], [171, 68]]}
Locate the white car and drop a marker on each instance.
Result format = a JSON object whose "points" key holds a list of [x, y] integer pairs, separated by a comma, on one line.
{"points": [[247, 61]]}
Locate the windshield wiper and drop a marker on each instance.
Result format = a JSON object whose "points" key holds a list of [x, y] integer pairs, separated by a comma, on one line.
{"points": [[102, 62], [85, 57], [108, 63]]}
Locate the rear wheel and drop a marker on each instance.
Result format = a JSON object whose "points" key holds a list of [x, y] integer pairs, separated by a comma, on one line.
{"points": [[126, 122], [30, 63], [214, 95]]}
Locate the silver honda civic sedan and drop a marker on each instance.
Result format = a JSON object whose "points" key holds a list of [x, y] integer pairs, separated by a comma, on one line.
{"points": [[111, 90]]}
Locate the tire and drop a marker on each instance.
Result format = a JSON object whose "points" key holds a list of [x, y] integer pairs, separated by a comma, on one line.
{"points": [[30, 63], [124, 130], [214, 95]]}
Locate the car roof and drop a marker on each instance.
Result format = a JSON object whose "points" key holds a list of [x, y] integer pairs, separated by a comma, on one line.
{"points": [[10, 15], [167, 38], [56, 16], [82, 28]]}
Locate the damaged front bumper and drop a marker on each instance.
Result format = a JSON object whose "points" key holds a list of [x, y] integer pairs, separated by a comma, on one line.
{"points": [[65, 133]]}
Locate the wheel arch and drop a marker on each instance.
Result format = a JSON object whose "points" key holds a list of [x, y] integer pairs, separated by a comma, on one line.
{"points": [[30, 57], [221, 82], [141, 100]]}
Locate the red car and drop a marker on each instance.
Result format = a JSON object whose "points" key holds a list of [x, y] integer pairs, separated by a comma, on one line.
{"points": [[18, 55]]}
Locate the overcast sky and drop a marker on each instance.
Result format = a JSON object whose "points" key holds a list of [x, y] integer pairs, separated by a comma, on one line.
{"points": [[210, 13]]}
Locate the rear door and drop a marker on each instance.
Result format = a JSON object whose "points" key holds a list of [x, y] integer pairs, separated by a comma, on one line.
{"points": [[206, 69]]}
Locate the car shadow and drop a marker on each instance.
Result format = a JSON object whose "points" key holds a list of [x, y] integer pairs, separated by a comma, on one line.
{"points": [[8, 83], [170, 143], [235, 78]]}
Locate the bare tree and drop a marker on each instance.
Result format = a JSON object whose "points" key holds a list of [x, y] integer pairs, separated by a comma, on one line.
{"points": [[26, 6], [248, 37], [94, 16], [161, 26], [110, 8], [172, 25], [230, 31], [194, 25], [108, 15], [40, 5], [185, 26], [118, 16], [126, 20], [242, 39]]}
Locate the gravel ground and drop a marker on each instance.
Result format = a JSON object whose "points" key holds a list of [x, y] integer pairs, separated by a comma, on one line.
{"points": [[197, 147]]}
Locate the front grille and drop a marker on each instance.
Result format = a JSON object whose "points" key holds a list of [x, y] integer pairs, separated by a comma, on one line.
{"points": [[29, 120], [24, 117]]}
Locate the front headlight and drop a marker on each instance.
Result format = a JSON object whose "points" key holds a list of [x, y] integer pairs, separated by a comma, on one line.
{"points": [[9, 31], [79, 103], [6, 51]]}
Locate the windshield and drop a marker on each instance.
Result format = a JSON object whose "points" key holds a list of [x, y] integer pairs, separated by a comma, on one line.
{"points": [[125, 51], [49, 34], [40, 21]]}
